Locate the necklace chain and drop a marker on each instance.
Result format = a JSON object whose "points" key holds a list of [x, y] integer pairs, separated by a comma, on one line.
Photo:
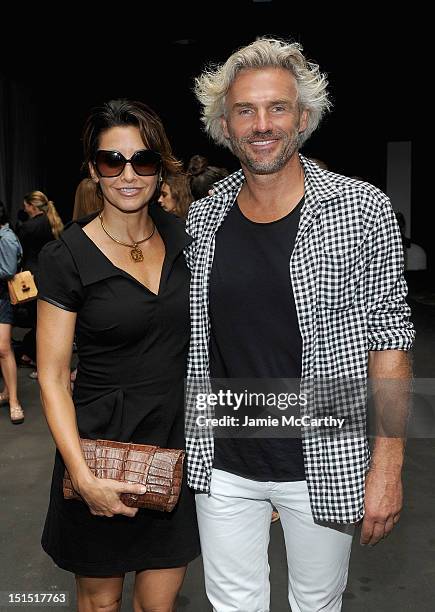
{"points": [[136, 252]]}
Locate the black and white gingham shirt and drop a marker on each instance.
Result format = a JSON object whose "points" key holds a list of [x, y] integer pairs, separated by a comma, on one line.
{"points": [[347, 276]]}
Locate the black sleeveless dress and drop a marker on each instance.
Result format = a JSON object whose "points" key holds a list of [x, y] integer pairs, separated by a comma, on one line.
{"points": [[132, 347]]}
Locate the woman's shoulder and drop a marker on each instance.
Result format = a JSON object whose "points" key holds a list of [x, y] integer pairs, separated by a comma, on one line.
{"points": [[8, 234], [58, 278], [56, 253], [74, 253], [58, 275], [34, 224], [73, 234]]}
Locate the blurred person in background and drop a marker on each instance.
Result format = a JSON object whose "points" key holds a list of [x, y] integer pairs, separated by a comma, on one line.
{"points": [[42, 226], [10, 256], [175, 195], [203, 176], [87, 199]]}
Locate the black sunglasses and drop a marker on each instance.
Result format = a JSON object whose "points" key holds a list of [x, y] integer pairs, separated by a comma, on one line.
{"points": [[110, 164]]}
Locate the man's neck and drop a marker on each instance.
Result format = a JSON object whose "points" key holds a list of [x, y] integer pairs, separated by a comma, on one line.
{"points": [[268, 197]]}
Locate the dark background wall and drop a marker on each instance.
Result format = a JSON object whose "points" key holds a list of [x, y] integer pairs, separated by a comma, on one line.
{"points": [[154, 57]]}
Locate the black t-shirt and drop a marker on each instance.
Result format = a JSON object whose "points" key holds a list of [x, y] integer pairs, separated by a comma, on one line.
{"points": [[255, 332]]}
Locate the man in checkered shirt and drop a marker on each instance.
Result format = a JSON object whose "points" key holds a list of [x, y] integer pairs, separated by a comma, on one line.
{"points": [[297, 272]]}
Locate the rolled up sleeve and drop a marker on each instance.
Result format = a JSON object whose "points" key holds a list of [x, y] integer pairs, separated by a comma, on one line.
{"points": [[389, 324]]}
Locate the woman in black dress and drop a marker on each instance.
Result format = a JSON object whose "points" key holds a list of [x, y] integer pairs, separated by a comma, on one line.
{"points": [[120, 280]]}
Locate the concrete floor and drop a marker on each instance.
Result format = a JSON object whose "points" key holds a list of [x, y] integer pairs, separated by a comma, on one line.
{"points": [[397, 575]]}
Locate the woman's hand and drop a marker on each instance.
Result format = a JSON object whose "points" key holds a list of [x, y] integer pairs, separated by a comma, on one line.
{"points": [[102, 496]]}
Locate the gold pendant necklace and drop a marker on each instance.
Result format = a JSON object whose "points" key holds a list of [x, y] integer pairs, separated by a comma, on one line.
{"points": [[135, 253]]}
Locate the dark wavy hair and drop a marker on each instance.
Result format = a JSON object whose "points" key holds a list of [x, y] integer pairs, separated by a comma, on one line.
{"points": [[122, 112]]}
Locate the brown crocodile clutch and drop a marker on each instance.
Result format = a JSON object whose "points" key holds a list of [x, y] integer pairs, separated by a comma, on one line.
{"points": [[159, 469]]}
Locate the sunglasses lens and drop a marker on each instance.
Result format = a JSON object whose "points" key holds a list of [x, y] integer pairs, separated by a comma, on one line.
{"points": [[146, 163], [109, 163]]}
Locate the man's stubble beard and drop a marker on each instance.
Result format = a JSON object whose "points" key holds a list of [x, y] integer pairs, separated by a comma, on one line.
{"points": [[256, 166]]}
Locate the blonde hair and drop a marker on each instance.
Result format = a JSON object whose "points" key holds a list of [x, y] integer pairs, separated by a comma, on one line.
{"points": [[42, 203], [87, 199], [212, 86]]}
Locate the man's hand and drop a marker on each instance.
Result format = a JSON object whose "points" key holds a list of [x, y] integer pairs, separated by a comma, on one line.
{"points": [[390, 373], [383, 503]]}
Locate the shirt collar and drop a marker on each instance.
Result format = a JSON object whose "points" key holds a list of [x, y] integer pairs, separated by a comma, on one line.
{"points": [[319, 183], [93, 265]]}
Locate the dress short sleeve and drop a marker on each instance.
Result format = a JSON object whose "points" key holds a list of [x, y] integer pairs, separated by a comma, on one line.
{"points": [[58, 279]]}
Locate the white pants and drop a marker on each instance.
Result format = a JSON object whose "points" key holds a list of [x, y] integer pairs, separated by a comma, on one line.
{"points": [[234, 524]]}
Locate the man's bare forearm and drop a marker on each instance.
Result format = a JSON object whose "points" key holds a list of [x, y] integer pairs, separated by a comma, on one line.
{"points": [[390, 373]]}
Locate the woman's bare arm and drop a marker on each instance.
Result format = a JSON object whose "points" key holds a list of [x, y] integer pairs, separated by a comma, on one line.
{"points": [[55, 335]]}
